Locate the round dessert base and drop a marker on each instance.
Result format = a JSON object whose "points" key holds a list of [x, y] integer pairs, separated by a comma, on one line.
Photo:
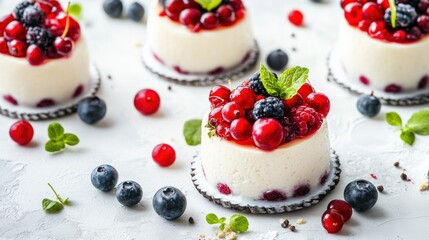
{"points": [[264, 207], [337, 75], [154, 66], [56, 111]]}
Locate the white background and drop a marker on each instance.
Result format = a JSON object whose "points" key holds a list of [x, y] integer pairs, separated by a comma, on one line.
{"points": [[125, 140]]}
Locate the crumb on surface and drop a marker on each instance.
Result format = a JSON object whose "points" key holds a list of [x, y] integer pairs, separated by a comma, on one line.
{"points": [[300, 221], [424, 186]]}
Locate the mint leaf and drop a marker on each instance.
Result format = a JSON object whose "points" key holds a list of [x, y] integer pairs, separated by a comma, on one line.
{"points": [[71, 139], [222, 219], [291, 81], [269, 81], [192, 132], [63, 201], [408, 137], [392, 118], [54, 146], [222, 226], [238, 223], [75, 10], [51, 206], [209, 4], [419, 122], [211, 218], [55, 131], [392, 13]]}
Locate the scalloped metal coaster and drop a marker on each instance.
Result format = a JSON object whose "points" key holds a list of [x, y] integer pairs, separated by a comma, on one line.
{"points": [[264, 207], [169, 74], [56, 111], [337, 75]]}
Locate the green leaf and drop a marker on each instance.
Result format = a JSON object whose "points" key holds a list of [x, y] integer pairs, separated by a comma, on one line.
{"points": [[291, 81], [55, 131], [392, 13], [211, 218], [63, 201], [192, 132], [51, 206], [222, 226], [209, 4], [392, 118], [71, 139], [419, 122], [54, 146], [238, 223], [222, 219], [269, 81], [76, 10], [408, 137]]}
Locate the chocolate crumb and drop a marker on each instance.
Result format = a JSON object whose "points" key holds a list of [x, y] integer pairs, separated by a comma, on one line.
{"points": [[294, 49], [191, 220], [109, 77], [292, 35], [169, 88], [404, 176], [285, 224], [380, 188], [396, 164], [292, 228]]}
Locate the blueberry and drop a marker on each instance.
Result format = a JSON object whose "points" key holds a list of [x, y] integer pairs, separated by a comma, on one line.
{"points": [[113, 8], [104, 177], [277, 60], [369, 105], [169, 203], [33, 16], [361, 195], [91, 109], [135, 12], [129, 193]]}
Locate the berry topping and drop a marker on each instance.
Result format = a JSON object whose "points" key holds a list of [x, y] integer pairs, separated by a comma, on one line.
{"points": [[320, 102], [369, 105], [173, 8], [296, 18], [135, 12], [361, 195], [147, 101], [164, 155], [21, 132], [406, 15], [3, 46], [33, 16], [129, 193], [307, 120], [223, 188], [305, 90], [91, 109], [18, 12], [342, 207], [41, 37], [232, 111], [244, 96], [277, 60], [241, 129], [372, 12], [113, 8], [209, 20], [169, 203], [222, 130], [301, 190], [219, 95], [190, 17], [295, 101], [353, 13], [256, 85], [273, 196], [270, 107], [332, 221], [215, 116], [17, 48], [15, 31], [35, 55], [267, 134], [104, 178], [226, 14]]}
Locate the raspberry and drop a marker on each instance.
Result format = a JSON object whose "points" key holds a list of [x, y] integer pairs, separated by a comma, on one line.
{"points": [[256, 85], [288, 129], [39, 36], [33, 16], [270, 107], [307, 120], [18, 12]]}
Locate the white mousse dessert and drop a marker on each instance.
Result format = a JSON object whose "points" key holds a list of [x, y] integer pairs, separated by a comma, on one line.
{"points": [[190, 48]]}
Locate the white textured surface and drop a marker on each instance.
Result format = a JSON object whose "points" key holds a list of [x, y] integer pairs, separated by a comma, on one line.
{"points": [[125, 140]]}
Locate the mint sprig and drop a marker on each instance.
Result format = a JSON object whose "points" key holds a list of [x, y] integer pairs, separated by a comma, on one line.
{"points": [[287, 84], [417, 124], [209, 4], [392, 7], [237, 222], [75, 10], [58, 139], [52, 206], [192, 132]]}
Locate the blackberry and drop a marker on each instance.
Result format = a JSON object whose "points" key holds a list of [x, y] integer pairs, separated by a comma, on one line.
{"points": [[406, 15], [41, 37], [256, 85], [413, 3], [33, 16], [18, 12], [270, 107]]}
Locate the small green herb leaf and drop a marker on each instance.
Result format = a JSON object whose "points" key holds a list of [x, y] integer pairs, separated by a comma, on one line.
{"points": [[192, 132], [222, 226], [51, 206], [222, 219], [54, 146], [392, 13], [408, 137], [71, 139], [393, 119], [238, 223], [55, 131], [211, 218], [209, 4], [76, 10], [269, 81], [63, 201], [419, 122]]}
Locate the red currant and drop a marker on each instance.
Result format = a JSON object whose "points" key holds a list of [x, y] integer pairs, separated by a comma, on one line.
{"points": [[21, 132], [377, 30], [15, 30], [241, 129], [236, 4], [35, 55], [332, 221], [399, 36], [305, 90], [320, 102], [215, 116], [296, 18], [3, 46], [219, 95], [244, 96], [222, 130], [17, 48], [4, 21], [267, 133], [384, 4], [209, 20], [192, 4], [342, 207], [353, 13], [423, 22], [190, 17], [295, 101], [343, 3], [63, 46], [174, 8], [147, 101], [226, 14], [232, 111], [372, 12], [364, 25], [164, 155]]}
